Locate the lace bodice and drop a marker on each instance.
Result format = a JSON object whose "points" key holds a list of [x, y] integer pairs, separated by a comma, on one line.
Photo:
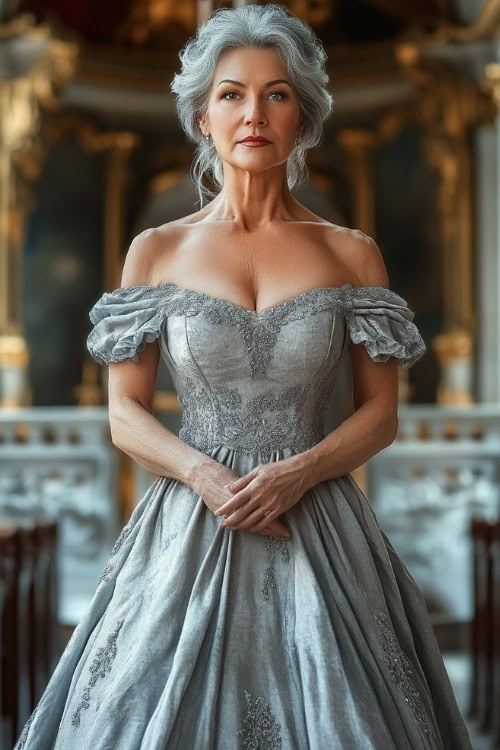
{"points": [[254, 381]]}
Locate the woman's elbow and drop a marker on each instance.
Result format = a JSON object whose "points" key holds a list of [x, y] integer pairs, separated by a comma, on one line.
{"points": [[392, 429], [118, 422]]}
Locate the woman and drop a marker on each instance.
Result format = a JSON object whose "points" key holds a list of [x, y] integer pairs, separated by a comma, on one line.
{"points": [[252, 600]]}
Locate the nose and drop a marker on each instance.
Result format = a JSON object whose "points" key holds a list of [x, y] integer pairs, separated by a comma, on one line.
{"points": [[254, 112]]}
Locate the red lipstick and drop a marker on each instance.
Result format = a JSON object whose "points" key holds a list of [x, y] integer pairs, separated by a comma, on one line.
{"points": [[255, 140]]}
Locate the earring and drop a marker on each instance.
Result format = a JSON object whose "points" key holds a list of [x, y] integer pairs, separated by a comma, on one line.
{"points": [[207, 137]]}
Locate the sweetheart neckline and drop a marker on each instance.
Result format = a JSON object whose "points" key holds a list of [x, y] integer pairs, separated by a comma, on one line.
{"points": [[270, 308]]}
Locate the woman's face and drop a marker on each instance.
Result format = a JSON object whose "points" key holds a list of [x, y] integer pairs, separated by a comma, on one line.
{"points": [[252, 95]]}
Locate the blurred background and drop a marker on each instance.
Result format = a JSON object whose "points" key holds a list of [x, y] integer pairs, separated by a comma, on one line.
{"points": [[91, 154]]}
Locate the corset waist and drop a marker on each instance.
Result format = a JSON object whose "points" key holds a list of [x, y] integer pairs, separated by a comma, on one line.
{"points": [[265, 423]]}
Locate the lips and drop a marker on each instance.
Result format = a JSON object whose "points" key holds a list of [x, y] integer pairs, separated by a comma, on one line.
{"points": [[255, 139]]}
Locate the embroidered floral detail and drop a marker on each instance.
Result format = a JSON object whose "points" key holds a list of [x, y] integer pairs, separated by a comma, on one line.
{"points": [[169, 540], [100, 665], [267, 422], [273, 544], [400, 670], [110, 564], [260, 730]]}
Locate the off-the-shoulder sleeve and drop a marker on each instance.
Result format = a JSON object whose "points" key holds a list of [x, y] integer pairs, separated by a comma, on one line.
{"points": [[381, 320], [125, 320]]}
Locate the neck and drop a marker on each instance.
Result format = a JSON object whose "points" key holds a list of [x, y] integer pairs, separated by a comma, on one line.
{"points": [[253, 200]]}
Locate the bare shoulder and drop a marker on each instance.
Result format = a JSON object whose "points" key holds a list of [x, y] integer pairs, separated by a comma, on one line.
{"points": [[146, 250], [360, 255]]}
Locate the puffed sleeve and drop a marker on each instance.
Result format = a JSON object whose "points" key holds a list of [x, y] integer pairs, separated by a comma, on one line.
{"points": [[125, 320], [381, 320]]}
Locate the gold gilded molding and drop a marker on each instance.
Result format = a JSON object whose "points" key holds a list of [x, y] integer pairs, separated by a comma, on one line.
{"points": [[454, 350], [89, 392], [118, 147], [490, 83], [22, 98], [445, 102], [165, 181], [447, 109], [149, 16], [20, 25], [13, 351], [486, 26], [358, 144], [87, 135], [166, 401], [314, 12], [14, 359]]}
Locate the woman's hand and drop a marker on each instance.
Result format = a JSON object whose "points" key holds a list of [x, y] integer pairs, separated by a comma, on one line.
{"points": [[213, 487], [267, 491]]}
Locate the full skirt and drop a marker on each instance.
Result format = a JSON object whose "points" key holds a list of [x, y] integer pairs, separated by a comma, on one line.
{"points": [[201, 637]]}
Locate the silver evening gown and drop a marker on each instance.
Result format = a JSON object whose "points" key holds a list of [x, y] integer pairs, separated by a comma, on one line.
{"points": [[201, 637]]}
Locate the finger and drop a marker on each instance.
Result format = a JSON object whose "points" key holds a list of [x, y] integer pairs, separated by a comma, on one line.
{"points": [[235, 519], [241, 482], [277, 526], [271, 530], [265, 519], [252, 518], [233, 503]]}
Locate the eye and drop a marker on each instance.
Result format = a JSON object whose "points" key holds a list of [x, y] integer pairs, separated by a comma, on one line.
{"points": [[273, 93]]}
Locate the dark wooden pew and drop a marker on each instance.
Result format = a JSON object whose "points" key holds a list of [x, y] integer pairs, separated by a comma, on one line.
{"points": [[496, 633], [8, 562], [484, 704], [28, 616]]}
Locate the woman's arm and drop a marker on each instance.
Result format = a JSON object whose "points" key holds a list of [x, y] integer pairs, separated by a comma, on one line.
{"points": [[131, 386], [374, 423]]}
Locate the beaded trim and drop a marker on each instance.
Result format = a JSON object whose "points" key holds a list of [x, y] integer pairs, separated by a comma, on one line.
{"points": [[260, 730], [100, 665], [401, 672], [169, 540], [117, 545], [273, 545]]}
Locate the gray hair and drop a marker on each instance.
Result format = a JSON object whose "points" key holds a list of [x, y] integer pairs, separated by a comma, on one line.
{"points": [[271, 26]]}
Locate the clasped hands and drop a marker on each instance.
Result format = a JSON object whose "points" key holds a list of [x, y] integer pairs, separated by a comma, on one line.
{"points": [[262, 495]]}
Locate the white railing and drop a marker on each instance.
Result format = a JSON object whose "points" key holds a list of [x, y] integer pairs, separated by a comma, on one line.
{"points": [[59, 462], [443, 469]]}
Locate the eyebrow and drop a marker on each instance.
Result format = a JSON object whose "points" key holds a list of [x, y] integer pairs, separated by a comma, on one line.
{"points": [[238, 83]]}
